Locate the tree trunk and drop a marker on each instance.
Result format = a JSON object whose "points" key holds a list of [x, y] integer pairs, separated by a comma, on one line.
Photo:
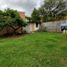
{"points": [[21, 30]]}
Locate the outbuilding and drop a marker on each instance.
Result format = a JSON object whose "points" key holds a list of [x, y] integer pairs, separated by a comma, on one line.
{"points": [[32, 27]]}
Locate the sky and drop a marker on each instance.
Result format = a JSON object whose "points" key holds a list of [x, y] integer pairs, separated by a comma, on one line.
{"points": [[21, 5]]}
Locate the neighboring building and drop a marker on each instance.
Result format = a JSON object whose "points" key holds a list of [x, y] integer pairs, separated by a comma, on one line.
{"points": [[54, 26], [31, 27]]}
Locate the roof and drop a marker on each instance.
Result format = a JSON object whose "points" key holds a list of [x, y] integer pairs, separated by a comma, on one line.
{"points": [[22, 15], [21, 12]]}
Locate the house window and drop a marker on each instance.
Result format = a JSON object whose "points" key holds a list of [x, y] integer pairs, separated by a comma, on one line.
{"points": [[36, 24]]}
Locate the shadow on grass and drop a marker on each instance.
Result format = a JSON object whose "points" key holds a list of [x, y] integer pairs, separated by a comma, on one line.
{"points": [[12, 35]]}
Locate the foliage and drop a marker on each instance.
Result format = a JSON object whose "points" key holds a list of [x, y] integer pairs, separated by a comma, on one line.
{"points": [[35, 16], [55, 9], [52, 10], [11, 18]]}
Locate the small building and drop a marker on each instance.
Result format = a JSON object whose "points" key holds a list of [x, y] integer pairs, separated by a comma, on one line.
{"points": [[32, 27]]}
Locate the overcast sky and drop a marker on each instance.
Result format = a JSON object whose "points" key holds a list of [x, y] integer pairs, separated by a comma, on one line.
{"points": [[20, 5]]}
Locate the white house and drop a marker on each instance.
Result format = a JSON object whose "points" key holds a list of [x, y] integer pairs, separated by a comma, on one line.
{"points": [[32, 27]]}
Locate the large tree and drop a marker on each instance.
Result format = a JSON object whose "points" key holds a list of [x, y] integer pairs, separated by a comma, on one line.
{"points": [[53, 9], [11, 18]]}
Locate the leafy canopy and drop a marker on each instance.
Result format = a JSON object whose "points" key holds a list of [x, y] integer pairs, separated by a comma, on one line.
{"points": [[50, 10], [35, 16], [11, 18]]}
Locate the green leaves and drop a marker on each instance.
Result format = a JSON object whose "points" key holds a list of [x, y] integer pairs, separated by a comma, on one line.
{"points": [[11, 18], [53, 10], [35, 16]]}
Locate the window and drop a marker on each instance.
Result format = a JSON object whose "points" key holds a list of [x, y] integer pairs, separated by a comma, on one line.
{"points": [[36, 24]]}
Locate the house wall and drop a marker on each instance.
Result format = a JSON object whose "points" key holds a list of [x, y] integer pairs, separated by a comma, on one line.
{"points": [[31, 27], [27, 28], [54, 26]]}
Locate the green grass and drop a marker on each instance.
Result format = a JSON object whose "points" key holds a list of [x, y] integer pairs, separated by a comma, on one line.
{"points": [[34, 50]]}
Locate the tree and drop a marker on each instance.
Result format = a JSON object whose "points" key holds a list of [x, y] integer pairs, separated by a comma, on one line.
{"points": [[15, 22], [2, 20], [35, 16], [11, 18], [51, 9]]}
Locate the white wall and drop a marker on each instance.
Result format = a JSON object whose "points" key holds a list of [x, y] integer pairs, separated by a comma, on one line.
{"points": [[53, 26], [27, 28], [30, 26]]}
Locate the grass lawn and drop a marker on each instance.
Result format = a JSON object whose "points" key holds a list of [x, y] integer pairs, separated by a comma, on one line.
{"points": [[34, 50]]}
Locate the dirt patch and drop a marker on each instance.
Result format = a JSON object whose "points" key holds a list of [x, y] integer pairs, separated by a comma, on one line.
{"points": [[63, 62]]}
